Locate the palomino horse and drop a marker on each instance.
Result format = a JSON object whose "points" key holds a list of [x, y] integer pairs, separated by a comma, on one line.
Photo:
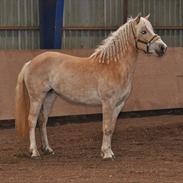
{"points": [[104, 79]]}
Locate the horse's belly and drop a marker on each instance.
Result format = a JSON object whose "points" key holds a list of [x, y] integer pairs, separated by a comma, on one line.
{"points": [[84, 96]]}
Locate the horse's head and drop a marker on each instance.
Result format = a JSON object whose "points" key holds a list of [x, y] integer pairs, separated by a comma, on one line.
{"points": [[145, 38]]}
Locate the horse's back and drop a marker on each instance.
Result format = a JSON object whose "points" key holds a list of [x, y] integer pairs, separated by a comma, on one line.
{"points": [[55, 56], [50, 61]]}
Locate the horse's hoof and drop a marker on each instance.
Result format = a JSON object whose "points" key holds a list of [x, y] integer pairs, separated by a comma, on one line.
{"points": [[48, 151], [35, 157], [108, 155], [105, 158]]}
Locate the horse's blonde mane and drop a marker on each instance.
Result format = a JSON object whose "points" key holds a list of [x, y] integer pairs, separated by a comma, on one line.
{"points": [[115, 46]]}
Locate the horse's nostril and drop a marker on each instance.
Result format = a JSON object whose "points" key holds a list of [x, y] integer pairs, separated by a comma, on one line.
{"points": [[162, 49]]}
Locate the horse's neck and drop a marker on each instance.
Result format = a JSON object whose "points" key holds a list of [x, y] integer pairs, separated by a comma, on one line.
{"points": [[127, 63], [126, 58], [130, 57]]}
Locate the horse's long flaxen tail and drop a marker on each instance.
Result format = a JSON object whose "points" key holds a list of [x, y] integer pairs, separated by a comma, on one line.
{"points": [[22, 105]]}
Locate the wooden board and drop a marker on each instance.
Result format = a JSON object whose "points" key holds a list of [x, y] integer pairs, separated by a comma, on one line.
{"points": [[158, 83]]}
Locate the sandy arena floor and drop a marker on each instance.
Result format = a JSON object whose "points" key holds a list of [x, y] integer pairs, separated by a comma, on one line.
{"points": [[148, 150]]}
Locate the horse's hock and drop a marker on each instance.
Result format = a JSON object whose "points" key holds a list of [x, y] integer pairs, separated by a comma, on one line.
{"points": [[157, 84]]}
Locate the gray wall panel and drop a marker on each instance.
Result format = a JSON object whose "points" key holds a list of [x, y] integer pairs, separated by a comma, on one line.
{"points": [[90, 13], [19, 13], [110, 13], [87, 13], [163, 12], [23, 39]]}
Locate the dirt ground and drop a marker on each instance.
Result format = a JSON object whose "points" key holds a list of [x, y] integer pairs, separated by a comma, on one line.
{"points": [[147, 150]]}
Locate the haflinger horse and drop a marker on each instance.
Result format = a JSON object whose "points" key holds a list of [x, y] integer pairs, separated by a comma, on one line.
{"points": [[104, 78]]}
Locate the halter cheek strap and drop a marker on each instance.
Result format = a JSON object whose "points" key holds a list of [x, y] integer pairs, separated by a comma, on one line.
{"points": [[153, 39], [147, 43]]}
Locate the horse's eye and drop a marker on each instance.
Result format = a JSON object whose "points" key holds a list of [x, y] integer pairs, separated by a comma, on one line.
{"points": [[144, 32]]}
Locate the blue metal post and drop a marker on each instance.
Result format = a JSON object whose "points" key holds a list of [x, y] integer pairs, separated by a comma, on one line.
{"points": [[59, 23], [51, 23]]}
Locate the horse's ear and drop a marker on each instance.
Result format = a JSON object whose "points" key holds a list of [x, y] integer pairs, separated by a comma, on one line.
{"points": [[147, 17], [137, 18]]}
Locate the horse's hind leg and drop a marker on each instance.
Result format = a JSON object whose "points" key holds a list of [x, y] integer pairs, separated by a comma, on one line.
{"points": [[43, 118], [35, 106]]}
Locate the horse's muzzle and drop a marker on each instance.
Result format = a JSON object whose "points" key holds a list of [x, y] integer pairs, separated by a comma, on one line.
{"points": [[162, 50]]}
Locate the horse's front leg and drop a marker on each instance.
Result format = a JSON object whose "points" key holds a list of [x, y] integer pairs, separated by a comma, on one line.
{"points": [[110, 114]]}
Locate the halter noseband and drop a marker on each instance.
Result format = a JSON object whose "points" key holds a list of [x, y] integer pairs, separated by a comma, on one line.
{"points": [[153, 39]]}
